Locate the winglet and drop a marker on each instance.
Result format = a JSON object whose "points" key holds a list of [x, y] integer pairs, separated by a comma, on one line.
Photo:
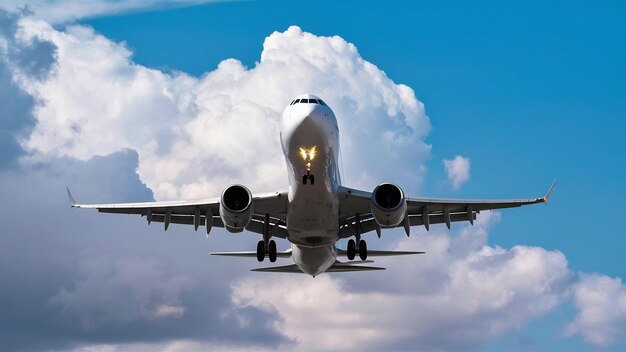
{"points": [[69, 194], [547, 196]]}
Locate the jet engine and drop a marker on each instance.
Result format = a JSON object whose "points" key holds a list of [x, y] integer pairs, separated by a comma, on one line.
{"points": [[236, 208], [388, 205]]}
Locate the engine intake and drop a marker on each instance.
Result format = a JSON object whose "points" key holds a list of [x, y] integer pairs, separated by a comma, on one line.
{"points": [[388, 205], [236, 208]]}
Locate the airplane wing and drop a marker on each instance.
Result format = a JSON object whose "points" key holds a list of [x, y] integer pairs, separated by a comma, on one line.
{"points": [[356, 216], [203, 212]]}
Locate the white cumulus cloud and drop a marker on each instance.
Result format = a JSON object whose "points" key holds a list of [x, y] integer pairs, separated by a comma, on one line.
{"points": [[601, 304], [460, 294], [457, 171], [194, 136]]}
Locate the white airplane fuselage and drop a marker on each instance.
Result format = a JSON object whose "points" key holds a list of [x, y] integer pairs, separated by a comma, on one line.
{"points": [[310, 141]]}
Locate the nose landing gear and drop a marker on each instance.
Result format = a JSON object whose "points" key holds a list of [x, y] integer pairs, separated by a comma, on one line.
{"points": [[308, 177]]}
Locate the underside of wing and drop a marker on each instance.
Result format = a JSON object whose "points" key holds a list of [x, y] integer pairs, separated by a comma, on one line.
{"points": [[356, 214], [269, 212]]}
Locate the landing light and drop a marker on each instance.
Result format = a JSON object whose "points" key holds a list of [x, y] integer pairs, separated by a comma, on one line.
{"points": [[308, 154]]}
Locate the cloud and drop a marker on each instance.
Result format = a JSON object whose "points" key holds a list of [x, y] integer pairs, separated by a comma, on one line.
{"points": [[75, 278], [601, 304], [34, 57], [459, 295], [188, 132], [152, 291], [88, 116], [457, 171], [59, 11]]}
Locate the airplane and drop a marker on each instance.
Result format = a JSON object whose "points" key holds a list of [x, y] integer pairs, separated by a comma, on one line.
{"points": [[317, 210]]}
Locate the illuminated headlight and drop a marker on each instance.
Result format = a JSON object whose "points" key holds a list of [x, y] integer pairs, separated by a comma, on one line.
{"points": [[308, 154]]}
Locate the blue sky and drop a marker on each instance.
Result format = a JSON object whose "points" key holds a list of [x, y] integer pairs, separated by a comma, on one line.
{"points": [[528, 91]]}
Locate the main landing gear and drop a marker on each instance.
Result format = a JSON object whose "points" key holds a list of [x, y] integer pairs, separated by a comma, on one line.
{"points": [[261, 251], [353, 249]]}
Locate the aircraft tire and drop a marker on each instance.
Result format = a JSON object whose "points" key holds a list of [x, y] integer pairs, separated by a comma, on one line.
{"points": [[351, 249], [362, 250], [272, 251], [260, 251]]}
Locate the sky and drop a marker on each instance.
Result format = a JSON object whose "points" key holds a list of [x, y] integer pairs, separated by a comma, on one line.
{"points": [[157, 100]]}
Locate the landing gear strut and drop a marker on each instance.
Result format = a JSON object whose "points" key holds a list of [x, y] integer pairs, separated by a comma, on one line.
{"points": [[270, 251]]}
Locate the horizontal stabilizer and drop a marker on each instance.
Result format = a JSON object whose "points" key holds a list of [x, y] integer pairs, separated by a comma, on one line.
{"points": [[374, 253], [252, 254], [338, 267], [293, 268]]}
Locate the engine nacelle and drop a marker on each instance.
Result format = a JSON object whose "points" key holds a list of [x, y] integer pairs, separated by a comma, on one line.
{"points": [[236, 208], [388, 205]]}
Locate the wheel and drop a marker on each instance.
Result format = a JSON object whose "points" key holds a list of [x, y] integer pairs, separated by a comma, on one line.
{"points": [[312, 179], [271, 248], [260, 251], [304, 179], [362, 250], [351, 249]]}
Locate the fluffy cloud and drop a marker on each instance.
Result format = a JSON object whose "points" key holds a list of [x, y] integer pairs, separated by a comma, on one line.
{"points": [[457, 171], [189, 133], [457, 296], [33, 57], [75, 278], [98, 116], [601, 302]]}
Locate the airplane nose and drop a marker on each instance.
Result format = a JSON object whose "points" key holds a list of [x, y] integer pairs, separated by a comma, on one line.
{"points": [[311, 113]]}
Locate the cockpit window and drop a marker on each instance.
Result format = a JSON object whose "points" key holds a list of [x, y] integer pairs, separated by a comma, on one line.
{"points": [[308, 101]]}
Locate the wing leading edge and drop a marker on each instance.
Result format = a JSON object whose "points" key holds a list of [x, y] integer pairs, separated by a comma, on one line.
{"points": [[201, 212], [356, 205]]}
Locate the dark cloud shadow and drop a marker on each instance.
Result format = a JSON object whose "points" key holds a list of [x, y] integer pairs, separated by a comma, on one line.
{"points": [[73, 277]]}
